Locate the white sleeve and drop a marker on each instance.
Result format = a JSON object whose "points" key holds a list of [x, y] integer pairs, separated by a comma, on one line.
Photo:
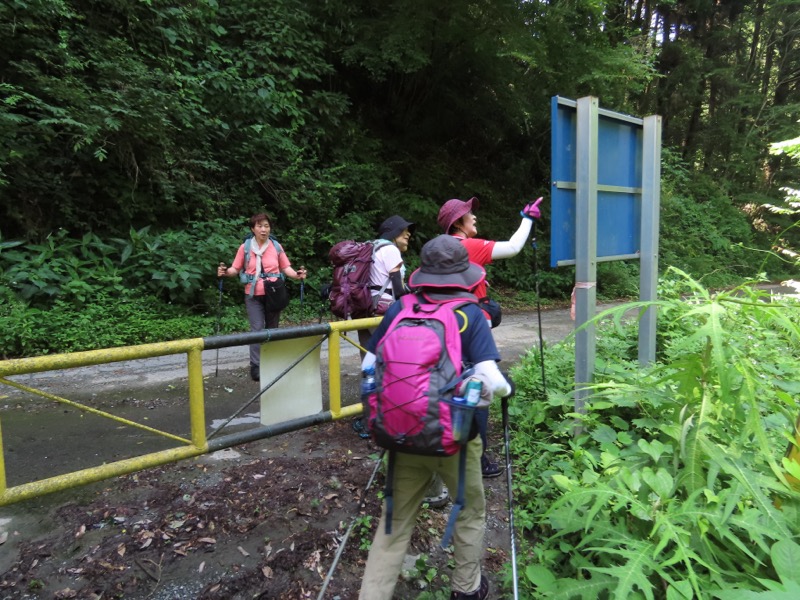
{"points": [[513, 246], [369, 360], [494, 384]]}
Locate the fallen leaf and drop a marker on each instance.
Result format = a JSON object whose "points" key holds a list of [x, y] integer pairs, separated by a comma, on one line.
{"points": [[331, 496], [3, 537], [207, 540], [201, 567], [81, 531], [267, 572], [215, 588], [121, 550], [65, 593], [243, 551], [146, 543]]}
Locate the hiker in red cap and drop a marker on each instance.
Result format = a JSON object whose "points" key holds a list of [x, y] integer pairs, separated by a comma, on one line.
{"points": [[457, 218]]}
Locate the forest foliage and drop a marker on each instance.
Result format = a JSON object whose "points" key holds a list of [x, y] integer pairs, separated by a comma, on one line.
{"points": [[154, 126], [137, 137]]}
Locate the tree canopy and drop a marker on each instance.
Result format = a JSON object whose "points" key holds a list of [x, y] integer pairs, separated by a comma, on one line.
{"points": [[333, 114]]}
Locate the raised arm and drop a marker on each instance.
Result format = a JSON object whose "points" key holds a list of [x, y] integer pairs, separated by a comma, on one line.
{"points": [[513, 246]]}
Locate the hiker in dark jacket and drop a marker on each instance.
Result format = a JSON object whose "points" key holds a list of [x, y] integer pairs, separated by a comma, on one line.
{"points": [[445, 273], [267, 263]]}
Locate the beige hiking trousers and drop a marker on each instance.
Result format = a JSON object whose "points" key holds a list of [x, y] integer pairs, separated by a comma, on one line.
{"points": [[411, 478]]}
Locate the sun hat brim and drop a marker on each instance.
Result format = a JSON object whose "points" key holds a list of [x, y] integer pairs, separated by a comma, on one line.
{"points": [[453, 210], [463, 280]]}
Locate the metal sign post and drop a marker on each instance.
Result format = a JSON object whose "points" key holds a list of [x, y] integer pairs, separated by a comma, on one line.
{"points": [[605, 206], [585, 244]]}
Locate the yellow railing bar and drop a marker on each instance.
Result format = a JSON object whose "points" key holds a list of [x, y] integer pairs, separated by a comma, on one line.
{"points": [[196, 446], [70, 480], [37, 364], [340, 329], [197, 409], [94, 411]]}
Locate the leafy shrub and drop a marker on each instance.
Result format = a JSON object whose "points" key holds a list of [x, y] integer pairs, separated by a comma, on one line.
{"points": [[671, 487], [174, 266], [106, 323]]}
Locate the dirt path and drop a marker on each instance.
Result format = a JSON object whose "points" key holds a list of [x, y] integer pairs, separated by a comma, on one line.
{"points": [[262, 520]]}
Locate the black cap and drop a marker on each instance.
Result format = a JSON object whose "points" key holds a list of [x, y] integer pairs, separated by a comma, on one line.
{"points": [[392, 227]]}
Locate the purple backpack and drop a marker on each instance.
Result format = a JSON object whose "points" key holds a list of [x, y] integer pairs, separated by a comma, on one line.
{"points": [[418, 367], [350, 294]]}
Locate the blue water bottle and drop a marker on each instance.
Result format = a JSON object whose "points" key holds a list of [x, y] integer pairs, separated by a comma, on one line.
{"points": [[368, 382], [459, 418], [473, 392]]}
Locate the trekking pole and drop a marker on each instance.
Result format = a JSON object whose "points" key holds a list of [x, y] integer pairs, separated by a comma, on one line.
{"points": [[504, 404], [302, 294], [343, 543], [534, 245], [219, 318]]}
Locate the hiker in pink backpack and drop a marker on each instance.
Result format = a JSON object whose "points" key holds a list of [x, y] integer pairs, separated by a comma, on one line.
{"points": [[430, 349]]}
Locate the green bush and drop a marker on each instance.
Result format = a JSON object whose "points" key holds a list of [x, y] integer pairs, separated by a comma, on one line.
{"points": [[671, 487]]}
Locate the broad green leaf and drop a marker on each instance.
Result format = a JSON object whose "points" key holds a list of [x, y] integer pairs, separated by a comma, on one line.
{"points": [[791, 467], [654, 449], [585, 589], [541, 577], [660, 482], [786, 560], [680, 590]]}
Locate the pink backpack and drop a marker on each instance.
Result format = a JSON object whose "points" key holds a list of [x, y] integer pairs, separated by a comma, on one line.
{"points": [[350, 294], [417, 369]]}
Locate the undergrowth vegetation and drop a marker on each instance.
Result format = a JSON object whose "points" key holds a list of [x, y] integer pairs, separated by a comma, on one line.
{"points": [[675, 482], [67, 294]]}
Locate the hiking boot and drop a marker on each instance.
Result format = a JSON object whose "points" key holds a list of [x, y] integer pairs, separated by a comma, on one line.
{"points": [[255, 373], [438, 501], [480, 594], [489, 468], [358, 427]]}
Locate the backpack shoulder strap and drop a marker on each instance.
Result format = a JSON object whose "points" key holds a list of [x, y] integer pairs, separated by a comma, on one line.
{"points": [[378, 244], [458, 503], [248, 241], [278, 247], [388, 492]]}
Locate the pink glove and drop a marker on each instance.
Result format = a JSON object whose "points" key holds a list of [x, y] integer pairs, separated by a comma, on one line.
{"points": [[531, 210]]}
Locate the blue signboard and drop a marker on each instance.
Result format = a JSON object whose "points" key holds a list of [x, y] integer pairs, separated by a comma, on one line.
{"points": [[619, 181]]}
